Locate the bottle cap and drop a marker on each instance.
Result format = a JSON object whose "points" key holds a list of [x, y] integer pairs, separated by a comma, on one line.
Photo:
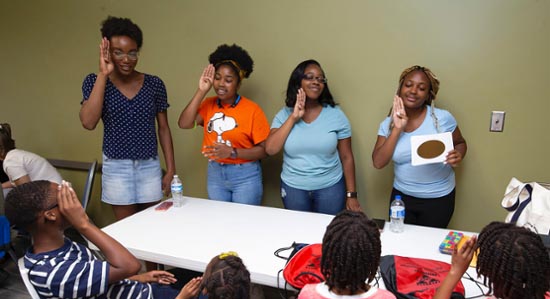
{"points": [[398, 197]]}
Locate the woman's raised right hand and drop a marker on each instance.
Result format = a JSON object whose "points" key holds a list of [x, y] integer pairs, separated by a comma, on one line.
{"points": [[207, 78], [399, 114], [300, 106], [106, 66]]}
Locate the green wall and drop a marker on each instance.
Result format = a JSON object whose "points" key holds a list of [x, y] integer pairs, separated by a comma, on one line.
{"points": [[489, 55]]}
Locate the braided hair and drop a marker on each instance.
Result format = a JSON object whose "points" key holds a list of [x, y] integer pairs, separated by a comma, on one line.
{"points": [[432, 94], [235, 57], [25, 202], [113, 26], [351, 252], [6, 142], [514, 262], [226, 277]]}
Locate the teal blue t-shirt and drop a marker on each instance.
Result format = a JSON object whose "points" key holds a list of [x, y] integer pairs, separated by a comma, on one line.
{"points": [[310, 156], [423, 181]]}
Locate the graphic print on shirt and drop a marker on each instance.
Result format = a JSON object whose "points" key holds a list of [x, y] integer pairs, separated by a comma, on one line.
{"points": [[221, 123]]}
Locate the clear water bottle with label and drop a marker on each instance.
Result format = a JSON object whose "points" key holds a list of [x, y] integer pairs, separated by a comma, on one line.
{"points": [[176, 187], [397, 215]]}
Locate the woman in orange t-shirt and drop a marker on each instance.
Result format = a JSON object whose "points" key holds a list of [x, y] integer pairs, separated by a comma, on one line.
{"points": [[235, 128]]}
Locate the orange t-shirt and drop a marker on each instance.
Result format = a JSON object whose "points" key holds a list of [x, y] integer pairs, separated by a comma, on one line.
{"points": [[241, 126]]}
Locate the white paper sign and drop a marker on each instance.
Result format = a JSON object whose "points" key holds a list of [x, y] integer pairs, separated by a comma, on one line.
{"points": [[428, 149]]}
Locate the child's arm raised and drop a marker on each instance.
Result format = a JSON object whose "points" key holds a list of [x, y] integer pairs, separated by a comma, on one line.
{"points": [[459, 264], [122, 263]]}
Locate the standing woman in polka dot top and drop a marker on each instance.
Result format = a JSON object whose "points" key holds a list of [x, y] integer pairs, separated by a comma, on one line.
{"points": [[235, 128], [129, 102]]}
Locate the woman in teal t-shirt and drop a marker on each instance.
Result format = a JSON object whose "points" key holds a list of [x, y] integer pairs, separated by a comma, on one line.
{"points": [[315, 135]]}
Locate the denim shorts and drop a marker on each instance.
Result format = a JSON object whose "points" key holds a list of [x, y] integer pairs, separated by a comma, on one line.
{"points": [[241, 183], [128, 182]]}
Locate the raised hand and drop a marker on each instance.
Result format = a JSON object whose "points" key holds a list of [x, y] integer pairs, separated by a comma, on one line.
{"points": [[106, 66], [399, 115], [207, 78], [300, 106], [462, 257], [70, 207], [191, 289]]}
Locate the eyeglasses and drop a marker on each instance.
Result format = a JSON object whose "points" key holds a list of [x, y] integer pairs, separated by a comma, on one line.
{"points": [[311, 77], [132, 55]]}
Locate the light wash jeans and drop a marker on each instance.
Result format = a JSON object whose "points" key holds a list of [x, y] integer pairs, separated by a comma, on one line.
{"points": [[240, 183]]}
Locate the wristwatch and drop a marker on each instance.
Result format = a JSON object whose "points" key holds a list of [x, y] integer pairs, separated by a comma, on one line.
{"points": [[234, 153], [351, 194]]}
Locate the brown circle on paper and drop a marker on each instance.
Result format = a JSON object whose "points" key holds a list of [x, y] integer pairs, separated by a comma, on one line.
{"points": [[431, 149]]}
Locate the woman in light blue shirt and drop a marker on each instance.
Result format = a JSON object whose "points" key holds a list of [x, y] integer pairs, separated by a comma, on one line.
{"points": [[315, 135], [427, 190]]}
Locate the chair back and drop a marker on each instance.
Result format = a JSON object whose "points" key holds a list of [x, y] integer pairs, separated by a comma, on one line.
{"points": [[25, 276], [90, 167], [89, 184]]}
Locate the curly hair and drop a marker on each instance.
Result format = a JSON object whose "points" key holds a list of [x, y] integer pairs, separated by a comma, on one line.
{"points": [[351, 252], [235, 57], [24, 202], [113, 26], [295, 83], [226, 278], [513, 261], [6, 142]]}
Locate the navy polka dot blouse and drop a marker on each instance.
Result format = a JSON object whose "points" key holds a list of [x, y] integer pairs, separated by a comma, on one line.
{"points": [[129, 124]]}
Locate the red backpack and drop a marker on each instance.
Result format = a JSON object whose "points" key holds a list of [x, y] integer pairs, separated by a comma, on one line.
{"points": [[303, 265], [415, 278]]}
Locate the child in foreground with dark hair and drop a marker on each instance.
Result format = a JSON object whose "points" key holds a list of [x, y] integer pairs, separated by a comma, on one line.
{"points": [[226, 277], [60, 268], [513, 261], [351, 255]]}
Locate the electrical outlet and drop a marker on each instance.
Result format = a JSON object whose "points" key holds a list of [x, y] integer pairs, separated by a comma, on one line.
{"points": [[497, 121]]}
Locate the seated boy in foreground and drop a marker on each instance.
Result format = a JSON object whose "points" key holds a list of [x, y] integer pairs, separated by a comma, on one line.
{"points": [[61, 268]]}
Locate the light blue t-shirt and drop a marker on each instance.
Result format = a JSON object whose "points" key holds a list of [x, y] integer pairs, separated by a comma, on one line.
{"points": [[310, 156], [423, 181]]}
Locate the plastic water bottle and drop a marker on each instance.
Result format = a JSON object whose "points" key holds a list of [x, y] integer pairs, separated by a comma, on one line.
{"points": [[397, 215], [176, 187]]}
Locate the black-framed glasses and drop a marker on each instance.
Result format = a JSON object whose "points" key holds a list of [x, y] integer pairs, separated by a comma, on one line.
{"points": [[311, 77], [132, 55]]}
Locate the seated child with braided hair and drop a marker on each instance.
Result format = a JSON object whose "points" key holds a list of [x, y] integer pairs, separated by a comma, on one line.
{"points": [[512, 260], [226, 277], [350, 259]]}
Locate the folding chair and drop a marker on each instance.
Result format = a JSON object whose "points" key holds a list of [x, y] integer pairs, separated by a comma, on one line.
{"points": [[25, 276]]}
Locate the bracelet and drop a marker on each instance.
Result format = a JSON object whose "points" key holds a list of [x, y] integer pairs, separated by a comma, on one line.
{"points": [[351, 194]]}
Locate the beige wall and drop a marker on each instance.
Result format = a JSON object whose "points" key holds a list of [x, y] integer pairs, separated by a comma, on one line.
{"points": [[489, 55]]}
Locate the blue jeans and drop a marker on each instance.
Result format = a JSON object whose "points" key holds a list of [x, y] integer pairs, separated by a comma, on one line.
{"points": [[164, 291], [330, 200], [240, 183]]}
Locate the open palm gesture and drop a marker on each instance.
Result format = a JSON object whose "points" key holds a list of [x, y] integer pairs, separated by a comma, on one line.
{"points": [[300, 106], [106, 66], [207, 78]]}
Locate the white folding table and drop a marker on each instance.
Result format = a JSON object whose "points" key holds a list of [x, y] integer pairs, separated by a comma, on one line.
{"points": [[189, 236]]}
